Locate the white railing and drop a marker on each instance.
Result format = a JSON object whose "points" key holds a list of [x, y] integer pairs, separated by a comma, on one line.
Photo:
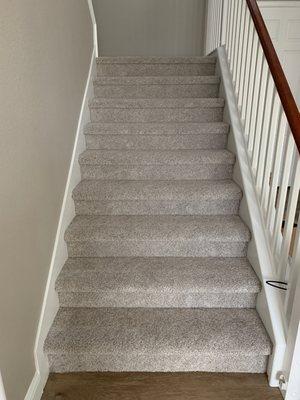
{"points": [[272, 151]]}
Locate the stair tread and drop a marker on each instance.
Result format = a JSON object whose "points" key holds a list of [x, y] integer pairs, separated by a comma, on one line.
{"points": [[157, 228], [188, 190], [140, 289], [166, 331], [155, 60], [150, 128], [160, 103], [157, 80], [158, 274], [156, 157]]}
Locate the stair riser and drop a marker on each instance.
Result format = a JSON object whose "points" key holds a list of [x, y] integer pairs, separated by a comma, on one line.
{"points": [[157, 114], [72, 362], [154, 207], [155, 69], [157, 299], [157, 277], [156, 91], [141, 172], [158, 248], [155, 142]]}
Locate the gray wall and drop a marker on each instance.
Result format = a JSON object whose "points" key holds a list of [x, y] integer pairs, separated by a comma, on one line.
{"points": [[45, 49], [150, 27]]}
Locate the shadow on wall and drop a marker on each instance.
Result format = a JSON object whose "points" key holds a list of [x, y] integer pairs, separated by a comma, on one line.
{"points": [[150, 27]]}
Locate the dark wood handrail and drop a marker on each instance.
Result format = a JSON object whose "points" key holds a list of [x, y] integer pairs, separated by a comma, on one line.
{"points": [[287, 99]]}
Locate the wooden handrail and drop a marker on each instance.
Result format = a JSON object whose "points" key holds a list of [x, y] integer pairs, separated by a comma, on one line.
{"points": [[287, 99]]}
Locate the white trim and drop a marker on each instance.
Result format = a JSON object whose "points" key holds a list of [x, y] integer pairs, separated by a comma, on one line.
{"points": [[269, 304], [59, 255], [95, 29], [293, 384], [36, 387], [2, 391]]}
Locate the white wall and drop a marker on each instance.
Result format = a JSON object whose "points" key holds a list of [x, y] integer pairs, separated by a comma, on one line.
{"points": [[45, 49], [283, 22], [150, 27]]}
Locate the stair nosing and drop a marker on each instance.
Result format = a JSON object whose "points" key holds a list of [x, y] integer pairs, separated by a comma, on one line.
{"points": [[96, 128], [150, 80], [155, 60], [157, 103]]}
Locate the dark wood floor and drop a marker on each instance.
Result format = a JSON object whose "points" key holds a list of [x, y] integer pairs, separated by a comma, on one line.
{"points": [[159, 386]]}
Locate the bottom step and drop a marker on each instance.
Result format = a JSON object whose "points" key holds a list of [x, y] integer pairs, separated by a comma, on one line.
{"points": [[145, 339]]}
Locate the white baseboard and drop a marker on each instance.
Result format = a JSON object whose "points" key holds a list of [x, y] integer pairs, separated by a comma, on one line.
{"points": [[269, 305], [2, 391], [59, 255], [36, 387]]}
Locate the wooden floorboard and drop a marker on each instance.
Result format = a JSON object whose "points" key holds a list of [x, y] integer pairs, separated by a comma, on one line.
{"points": [[159, 386]]}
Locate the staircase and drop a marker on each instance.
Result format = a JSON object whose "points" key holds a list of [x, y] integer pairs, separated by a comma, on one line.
{"points": [[157, 277]]}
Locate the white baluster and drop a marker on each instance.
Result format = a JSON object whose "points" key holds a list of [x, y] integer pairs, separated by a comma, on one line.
{"points": [[245, 90], [208, 31], [255, 100], [275, 121], [237, 43], [290, 214], [213, 27], [232, 40], [220, 17], [230, 30], [243, 63], [261, 110], [266, 131], [249, 95], [224, 23], [284, 178], [276, 171], [228, 27]]}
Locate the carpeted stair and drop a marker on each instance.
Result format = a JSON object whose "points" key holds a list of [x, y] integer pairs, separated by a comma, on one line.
{"points": [[157, 277]]}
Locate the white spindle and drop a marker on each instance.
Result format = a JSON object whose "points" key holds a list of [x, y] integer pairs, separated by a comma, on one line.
{"points": [[243, 64], [228, 26], [220, 5], [282, 192], [249, 94], [293, 196], [214, 27], [244, 96], [255, 99], [276, 169], [275, 121], [224, 21], [266, 132], [215, 24], [261, 113], [233, 38], [219, 23], [237, 45]]}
